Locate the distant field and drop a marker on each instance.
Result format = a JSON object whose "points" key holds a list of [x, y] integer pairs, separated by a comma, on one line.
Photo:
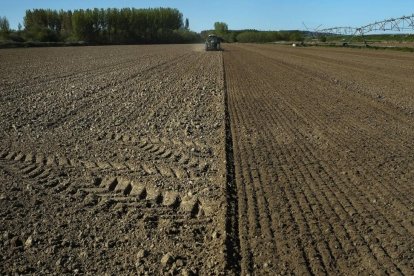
{"points": [[393, 44]]}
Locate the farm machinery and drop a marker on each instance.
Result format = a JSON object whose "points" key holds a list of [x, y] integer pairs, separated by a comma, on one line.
{"points": [[213, 43]]}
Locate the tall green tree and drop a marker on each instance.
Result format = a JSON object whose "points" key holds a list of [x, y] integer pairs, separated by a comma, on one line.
{"points": [[4, 27], [187, 24], [221, 28]]}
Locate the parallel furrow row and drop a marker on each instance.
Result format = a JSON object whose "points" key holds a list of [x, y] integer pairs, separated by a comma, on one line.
{"points": [[294, 203], [383, 190], [307, 150], [351, 125]]}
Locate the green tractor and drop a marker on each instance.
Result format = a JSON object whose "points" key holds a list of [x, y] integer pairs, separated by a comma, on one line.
{"points": [[213, 43]]}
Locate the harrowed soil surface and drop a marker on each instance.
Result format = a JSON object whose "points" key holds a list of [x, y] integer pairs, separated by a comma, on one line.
{"points": [[324, 163], [112, 160], [169, 160]]}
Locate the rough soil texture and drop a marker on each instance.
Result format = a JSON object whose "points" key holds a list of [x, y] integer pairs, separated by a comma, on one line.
{"points": [[112, 160], [168, 160], [323, 155]]}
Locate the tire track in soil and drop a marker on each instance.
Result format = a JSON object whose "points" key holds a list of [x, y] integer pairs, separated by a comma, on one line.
{"points": [[112, 194], [288, 187], [192, 156], [184, 167], [109, 190], [32, 169], [132, 193], [189, 164]]}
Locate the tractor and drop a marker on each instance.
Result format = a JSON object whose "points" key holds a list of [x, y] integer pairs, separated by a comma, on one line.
{"points": [[213, 43]]}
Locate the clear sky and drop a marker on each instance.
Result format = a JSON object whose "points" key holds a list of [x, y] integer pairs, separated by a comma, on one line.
{"points": [[240, 14]]}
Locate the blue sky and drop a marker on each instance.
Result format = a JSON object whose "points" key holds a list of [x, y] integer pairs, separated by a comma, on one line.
{"points": [[240, 14]]}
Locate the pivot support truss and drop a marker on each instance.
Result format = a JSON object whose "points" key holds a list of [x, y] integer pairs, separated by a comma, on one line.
{"points": [[401, 24]]}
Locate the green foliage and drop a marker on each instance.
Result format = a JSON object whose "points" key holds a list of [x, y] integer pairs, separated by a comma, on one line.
{"points": [[186, 36], [252, 36], [8, 35], [295, 36], [221, 28], [4, 28], [187, 24], [127, 25]]}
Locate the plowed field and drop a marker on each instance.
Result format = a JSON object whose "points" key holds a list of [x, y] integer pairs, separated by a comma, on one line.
{"points": [[260, 159], [112, 160], [323, 154]]}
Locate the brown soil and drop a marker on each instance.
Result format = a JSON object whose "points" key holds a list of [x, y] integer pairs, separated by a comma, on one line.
{"points": [[323, 153], [112, 160], [261, 159]]}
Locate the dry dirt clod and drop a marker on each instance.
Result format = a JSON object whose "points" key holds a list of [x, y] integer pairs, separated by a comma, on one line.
{"points": [[29, 242], [142, 254], [187, 272], [179, 262], [215, 235], [167, 260]]}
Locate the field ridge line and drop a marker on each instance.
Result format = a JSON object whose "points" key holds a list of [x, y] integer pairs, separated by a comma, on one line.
{"points": [[232, 221]]}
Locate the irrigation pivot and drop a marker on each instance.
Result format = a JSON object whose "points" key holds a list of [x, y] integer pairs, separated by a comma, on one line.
{"points": [[401, 24]]}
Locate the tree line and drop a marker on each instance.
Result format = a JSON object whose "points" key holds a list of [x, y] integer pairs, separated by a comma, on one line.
{"points": [[255, 36], [126, 25], [269, 36], [252, 36], [112, 25]]}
